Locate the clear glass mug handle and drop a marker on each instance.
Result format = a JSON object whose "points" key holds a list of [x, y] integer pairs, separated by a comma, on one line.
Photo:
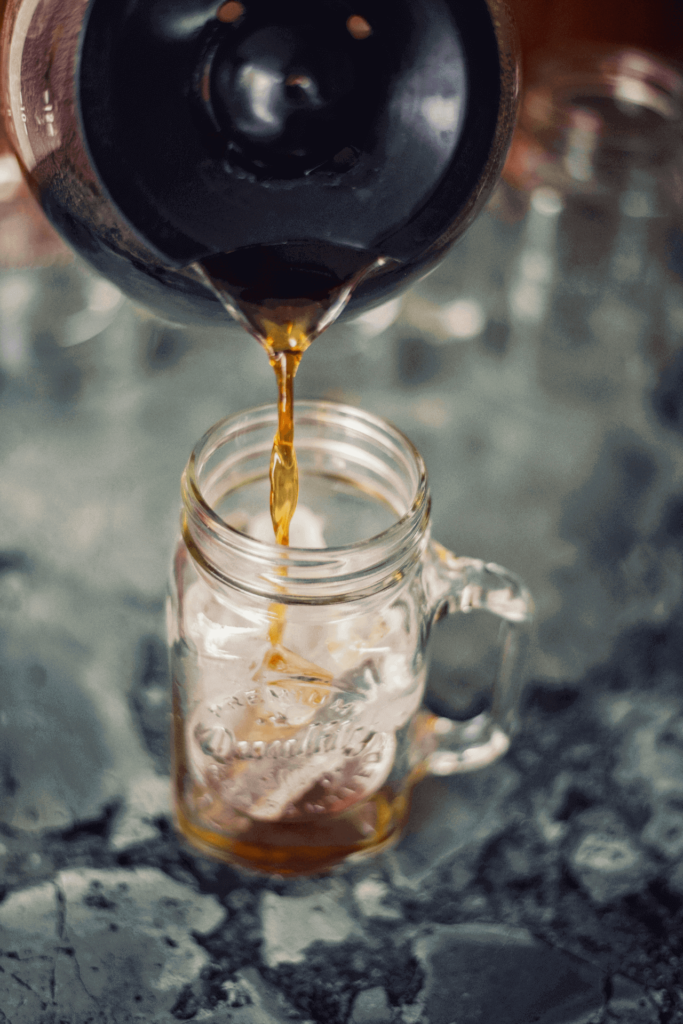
{"points": [[461, 585]]}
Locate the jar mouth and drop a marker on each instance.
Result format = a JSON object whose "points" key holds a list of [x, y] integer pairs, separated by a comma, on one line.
{"points": [[332, 441]]}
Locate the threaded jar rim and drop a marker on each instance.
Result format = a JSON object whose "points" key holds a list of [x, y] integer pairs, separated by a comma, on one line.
{"points": [[236, 446]]}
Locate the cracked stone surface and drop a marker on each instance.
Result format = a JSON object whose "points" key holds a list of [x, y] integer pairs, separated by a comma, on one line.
{"points": [[371, 1006], [550, 884], [605, 860], [292, 923], [478, 972], [94, 940], [478, 808], [630, 1003]]}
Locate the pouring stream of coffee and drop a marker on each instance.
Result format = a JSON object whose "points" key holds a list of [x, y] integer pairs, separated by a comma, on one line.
{"points": [[285, 307]]}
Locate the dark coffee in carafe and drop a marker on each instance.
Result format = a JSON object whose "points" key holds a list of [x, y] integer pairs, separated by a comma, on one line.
{"points": [[160, 135]]}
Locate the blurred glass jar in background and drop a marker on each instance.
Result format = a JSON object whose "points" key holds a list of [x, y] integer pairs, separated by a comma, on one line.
{"points": [[600, 125], [596, 173]]}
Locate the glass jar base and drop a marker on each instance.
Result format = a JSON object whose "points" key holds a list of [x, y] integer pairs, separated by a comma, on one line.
{"points": [[307, 848]]}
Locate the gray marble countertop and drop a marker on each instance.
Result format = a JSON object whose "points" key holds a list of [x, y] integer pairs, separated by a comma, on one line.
{"points": [[546, 888]]}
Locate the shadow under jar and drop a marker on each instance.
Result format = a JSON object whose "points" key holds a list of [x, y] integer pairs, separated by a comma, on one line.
{"points": [[299, 673]]}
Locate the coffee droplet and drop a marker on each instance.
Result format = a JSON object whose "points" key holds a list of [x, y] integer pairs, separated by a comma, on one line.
{"points": [[358, 27], [230, 11]]}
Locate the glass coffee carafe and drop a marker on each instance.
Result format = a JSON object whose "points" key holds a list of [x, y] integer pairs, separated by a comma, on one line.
{"points": [[160, 136]]}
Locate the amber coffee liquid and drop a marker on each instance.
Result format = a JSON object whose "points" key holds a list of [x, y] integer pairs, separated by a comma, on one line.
{"points": [[227, 813]]}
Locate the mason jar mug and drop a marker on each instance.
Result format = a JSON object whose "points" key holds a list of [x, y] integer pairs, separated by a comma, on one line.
{"points": [[299, 672]]}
